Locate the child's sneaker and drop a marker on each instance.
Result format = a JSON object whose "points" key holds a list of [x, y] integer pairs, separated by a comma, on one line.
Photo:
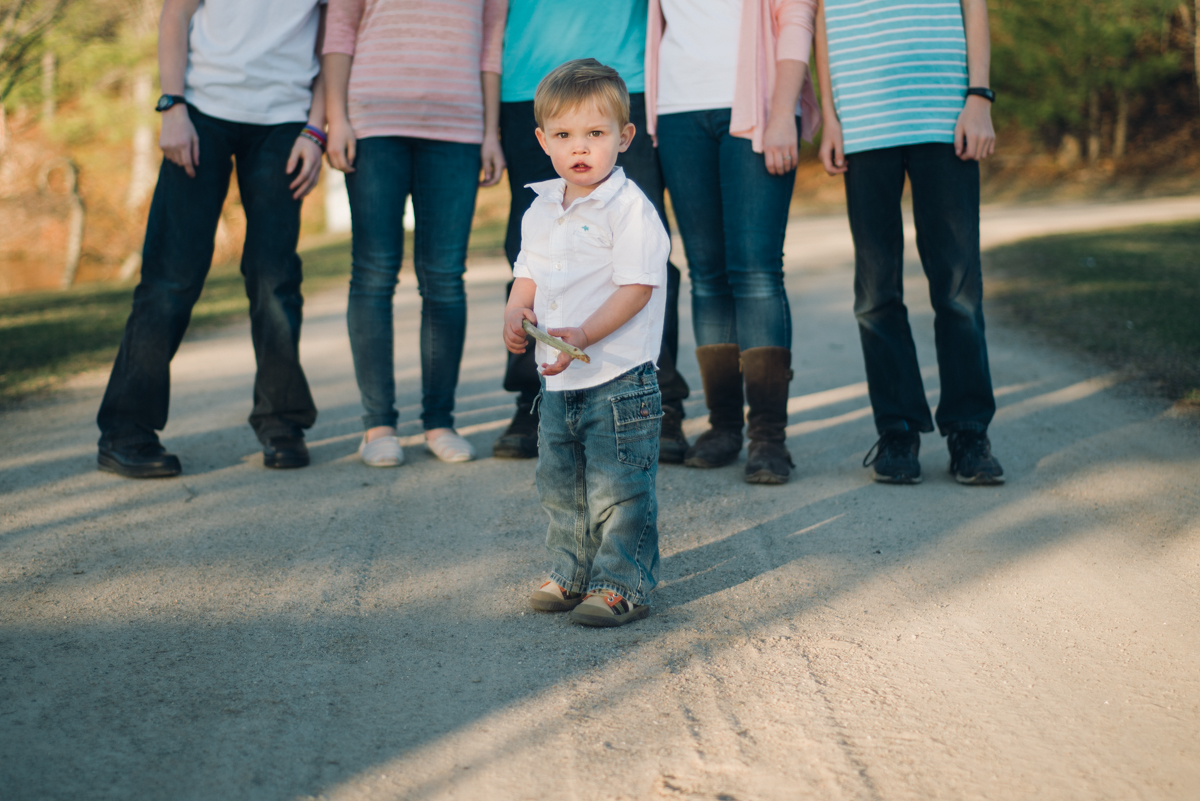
{"points": [[607, 608], [552, 598]]}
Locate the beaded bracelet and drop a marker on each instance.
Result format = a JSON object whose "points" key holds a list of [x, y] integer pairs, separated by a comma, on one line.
{"points": [[317, 132], [312, 137]]}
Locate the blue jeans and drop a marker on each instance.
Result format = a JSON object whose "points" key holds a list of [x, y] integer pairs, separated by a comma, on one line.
{"points": [[732, 215], [176, 256], [597, 462], [528, 163], [442, 178], [945, 196]]}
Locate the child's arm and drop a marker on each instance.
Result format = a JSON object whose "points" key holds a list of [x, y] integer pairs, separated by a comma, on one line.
{"points": [[520, 307], [974, 137], [619, 309], [833, 154]]}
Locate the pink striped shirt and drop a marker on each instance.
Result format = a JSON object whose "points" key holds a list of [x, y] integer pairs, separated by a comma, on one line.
{"points": [[417, 63]]}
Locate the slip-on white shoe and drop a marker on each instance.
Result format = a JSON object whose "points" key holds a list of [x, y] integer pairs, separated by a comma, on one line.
{"points": [[450, 447], [381, 452]]}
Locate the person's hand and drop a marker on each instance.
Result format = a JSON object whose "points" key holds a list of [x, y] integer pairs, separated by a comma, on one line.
{"points": [[492, 156], [306, 155], [833, 152], [179, 141], [342, 144], [781, 145], [974, 137], [572, 336], [514, 335]]}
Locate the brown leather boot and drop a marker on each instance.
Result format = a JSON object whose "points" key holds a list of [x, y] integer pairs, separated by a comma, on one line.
{"points": [[722, 443], [768, 372]]}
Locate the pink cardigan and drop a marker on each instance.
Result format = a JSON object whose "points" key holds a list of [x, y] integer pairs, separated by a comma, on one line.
{"points": [[770, 30], [417, 63]]}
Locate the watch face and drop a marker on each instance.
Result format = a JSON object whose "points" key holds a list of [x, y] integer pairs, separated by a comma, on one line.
{"points": [[164, 103]]}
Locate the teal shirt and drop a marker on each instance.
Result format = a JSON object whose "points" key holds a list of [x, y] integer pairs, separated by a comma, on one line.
{"points": [[541, 34]]}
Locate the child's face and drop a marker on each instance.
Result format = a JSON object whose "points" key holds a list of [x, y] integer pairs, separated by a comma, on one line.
{"points": [[583, 144]]}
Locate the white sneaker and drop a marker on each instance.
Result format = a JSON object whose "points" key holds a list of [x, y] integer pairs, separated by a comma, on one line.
{"points": [[381, 452], [450, 447]]}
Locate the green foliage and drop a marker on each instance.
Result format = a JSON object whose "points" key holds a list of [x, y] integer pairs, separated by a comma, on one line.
{"points": [[1048, 56], [1128, 296]]}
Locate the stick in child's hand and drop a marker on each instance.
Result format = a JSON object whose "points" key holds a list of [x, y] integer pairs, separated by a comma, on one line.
{"points": [[554, 342]]}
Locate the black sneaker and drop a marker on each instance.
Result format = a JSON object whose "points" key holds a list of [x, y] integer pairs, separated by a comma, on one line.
{"points": [[894, 458], [672, 444], [971, 460], [520, 439]]}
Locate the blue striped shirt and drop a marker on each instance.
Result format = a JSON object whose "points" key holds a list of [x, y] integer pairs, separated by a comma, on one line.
{"points": [[899, 70]]}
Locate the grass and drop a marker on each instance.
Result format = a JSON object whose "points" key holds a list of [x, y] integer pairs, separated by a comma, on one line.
{"points": [[48, 336], [1128, 296]]}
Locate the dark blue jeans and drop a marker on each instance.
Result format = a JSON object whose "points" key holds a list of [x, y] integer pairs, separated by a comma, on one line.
{"points": [[176, 257], [732, 215], [945, 197], [442, 178], [597, 463], [528, 163]]}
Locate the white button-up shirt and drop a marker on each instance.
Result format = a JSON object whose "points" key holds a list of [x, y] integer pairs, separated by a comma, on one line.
{"points": [[579, 256]]}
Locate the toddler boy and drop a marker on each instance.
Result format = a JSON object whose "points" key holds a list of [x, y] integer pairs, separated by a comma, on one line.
{"points": [[592, 270]]}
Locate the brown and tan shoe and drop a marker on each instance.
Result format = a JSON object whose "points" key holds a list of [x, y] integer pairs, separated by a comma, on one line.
{"points": [[607, 608], [552, 598]]}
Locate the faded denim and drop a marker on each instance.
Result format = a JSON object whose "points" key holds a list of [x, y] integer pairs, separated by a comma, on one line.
{"points": [[597, 463]]}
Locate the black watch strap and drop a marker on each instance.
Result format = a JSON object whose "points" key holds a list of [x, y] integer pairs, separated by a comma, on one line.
{"points": [[167, 101], [984, 92]]}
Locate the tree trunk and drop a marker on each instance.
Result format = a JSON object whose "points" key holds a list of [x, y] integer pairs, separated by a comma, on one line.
{"points": [[1121, 134], [141, 172], [1093, 146], [1195, 31], [48, 70], [75, 217], [3, 131]]}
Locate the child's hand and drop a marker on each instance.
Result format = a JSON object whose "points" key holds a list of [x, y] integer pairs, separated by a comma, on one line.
{"points": [[514, 335], [572, 336]]}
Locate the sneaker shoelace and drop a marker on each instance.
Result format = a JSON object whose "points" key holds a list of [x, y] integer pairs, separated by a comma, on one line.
{"points": [[964, 444], [888, 442]]}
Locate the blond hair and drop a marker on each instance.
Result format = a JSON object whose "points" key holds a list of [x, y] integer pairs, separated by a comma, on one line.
{"points": [[575, 83]]}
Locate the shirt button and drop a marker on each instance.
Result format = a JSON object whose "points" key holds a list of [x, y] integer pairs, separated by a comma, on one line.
{"points": [[554, 306], [562, 220], [558, 265]]}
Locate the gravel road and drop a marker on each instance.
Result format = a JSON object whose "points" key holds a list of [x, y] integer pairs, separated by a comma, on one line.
{"points": [[347, 633]]}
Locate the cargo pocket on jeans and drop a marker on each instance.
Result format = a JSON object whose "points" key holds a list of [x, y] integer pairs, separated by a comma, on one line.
{"points": [[637, 417]]}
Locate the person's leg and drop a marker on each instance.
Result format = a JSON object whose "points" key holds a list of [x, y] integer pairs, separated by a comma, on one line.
{"points": [[445, 178], [874, 184], [560, 482], [755, 207], [377, 190], [641, 165], [176, 257], [946, 212], [689, 149], [526, 163], [283, 404], [620, 438]]}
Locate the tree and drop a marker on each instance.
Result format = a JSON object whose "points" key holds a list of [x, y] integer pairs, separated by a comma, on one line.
{"points": [[24, 26]]}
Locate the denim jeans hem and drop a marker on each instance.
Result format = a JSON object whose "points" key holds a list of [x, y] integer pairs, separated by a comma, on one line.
{"points": [[567, 584], [920, 428], [946, 429], [635, 598], [380, 421]]}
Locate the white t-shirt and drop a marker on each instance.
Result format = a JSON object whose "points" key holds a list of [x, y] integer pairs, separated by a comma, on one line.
{"points": [[579, 256], [253, 60], [697, 60]]}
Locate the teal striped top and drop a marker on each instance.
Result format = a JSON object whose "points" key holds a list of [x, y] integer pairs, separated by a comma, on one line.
{"points": [[899, 70]]}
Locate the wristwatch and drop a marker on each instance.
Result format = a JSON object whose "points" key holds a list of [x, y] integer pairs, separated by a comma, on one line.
{"points": [[984, 92], [166, 101]]}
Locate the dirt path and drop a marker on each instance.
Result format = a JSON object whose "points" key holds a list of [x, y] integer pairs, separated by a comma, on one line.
{"points": [[349, 633]]}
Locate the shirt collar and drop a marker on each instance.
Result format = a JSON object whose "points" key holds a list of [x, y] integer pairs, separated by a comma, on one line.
{"points": [[554, 189]]}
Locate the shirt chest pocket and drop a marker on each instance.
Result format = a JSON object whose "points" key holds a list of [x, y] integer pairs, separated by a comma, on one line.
{"points": [[592, 245]]}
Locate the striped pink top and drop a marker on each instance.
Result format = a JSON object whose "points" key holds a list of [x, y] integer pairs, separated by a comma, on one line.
{"points": [[417, 63]]}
